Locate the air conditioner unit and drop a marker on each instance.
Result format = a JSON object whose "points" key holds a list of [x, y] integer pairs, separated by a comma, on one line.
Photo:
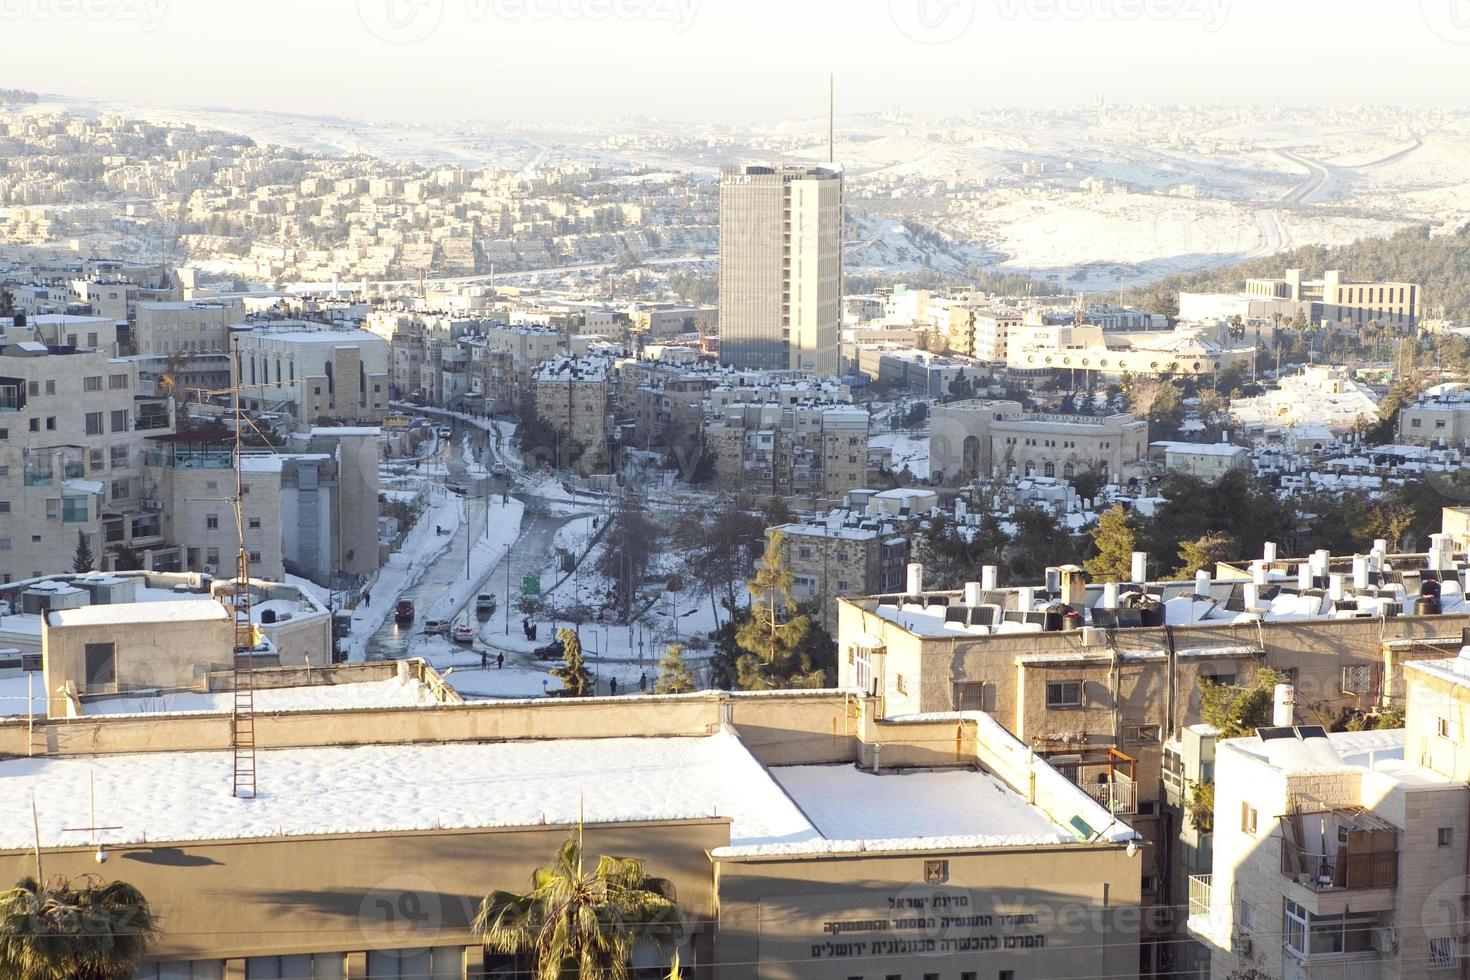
{"points": [[1385, 939], [1240, 944]]}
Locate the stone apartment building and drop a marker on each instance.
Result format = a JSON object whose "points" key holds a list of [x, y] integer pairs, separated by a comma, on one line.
{"points": [[1096, 678], [72, 434], [313, 373], [1343, 854], [856, 550], [809, 449], [504, 358], [981, 438], [1439, 418], [192, 327], [1336, 298], [312, 513], [571, 396]]}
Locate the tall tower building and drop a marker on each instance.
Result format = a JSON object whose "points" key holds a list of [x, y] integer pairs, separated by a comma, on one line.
{"points": [[780, 268]]}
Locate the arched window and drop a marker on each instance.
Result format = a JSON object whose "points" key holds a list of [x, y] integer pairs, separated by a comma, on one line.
{"points": [[1050, 469], [1069, 471], [1030, 467], [971, 450]]}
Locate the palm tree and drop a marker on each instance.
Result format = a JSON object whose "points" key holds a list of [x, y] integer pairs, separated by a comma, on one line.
{"points": [[576, 924], [77, 929]]}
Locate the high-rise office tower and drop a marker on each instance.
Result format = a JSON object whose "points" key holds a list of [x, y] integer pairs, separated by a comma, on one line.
{"points": [[780, 268]]}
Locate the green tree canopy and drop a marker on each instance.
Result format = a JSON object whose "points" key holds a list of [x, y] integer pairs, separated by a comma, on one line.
{"points": [[74, 929], [580, 923], [576, 682]]}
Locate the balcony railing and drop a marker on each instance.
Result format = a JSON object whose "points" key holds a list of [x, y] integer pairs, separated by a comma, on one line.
{"points": [[1338, 872], [151, 422], [1117, 796], [1201, 888]]}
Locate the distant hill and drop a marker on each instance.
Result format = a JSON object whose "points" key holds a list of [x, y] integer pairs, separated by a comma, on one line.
{"points": [[1438, 263], [17, 96]]}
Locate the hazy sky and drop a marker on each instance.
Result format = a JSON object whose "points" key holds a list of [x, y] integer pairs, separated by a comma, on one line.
{"points": [[731, 60]]}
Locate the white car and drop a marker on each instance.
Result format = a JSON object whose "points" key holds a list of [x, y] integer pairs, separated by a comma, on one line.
{"points": [[463, 634]]}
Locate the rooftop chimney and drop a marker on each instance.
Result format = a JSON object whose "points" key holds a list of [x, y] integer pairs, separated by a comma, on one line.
{"points": [[987, 578], [916, 579], [1140, 567], [1283, 713]]}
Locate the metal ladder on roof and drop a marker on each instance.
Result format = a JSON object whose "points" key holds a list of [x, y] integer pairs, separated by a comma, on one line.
{"points": [[242, 718]]}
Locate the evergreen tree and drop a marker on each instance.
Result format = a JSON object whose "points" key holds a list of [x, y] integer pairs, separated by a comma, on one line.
{"points": [[575, 681], [1237, 710], [83, 560], [773, 635], [1116, 539], [1203, 554], [673, 673]]}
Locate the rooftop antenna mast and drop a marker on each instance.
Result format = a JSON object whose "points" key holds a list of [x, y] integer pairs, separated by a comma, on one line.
{"points": [[243, 715], [832, 118]]}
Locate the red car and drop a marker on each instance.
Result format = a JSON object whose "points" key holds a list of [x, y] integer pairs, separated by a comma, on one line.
{"points": [[403, 612]]}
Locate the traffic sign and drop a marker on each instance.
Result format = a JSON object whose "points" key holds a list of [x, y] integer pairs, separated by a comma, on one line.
{"points": [[530, 585]]}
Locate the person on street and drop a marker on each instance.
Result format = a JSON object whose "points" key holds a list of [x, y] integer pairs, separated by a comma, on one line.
{"points": [[612, 686], [484, 658], [643, 681], [499, 661]]}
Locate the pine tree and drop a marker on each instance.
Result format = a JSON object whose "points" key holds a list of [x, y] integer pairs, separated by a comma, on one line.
{"points": [[773, 634], [575, 681], [1116, 539], [84, 560], [673, 673], [1203, 554]]}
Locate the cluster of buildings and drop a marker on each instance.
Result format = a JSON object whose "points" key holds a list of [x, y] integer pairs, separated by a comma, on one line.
{"points": [[271, 216], [1105, 682], [806, 834]]}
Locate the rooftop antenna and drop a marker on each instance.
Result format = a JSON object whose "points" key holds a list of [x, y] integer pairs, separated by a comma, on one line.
{"points": [[243, 716], [831, 118]]}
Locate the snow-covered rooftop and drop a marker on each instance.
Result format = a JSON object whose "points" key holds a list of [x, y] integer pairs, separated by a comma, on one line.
{"points": [[391, 693], [387, 788], [390, 788], [179, 611]]}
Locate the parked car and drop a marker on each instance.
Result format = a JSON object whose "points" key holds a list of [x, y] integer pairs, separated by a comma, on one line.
{"points": [[436, 627], [456, 489], [403, 612], [552, 651], [463, 634], [485, 602]]}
